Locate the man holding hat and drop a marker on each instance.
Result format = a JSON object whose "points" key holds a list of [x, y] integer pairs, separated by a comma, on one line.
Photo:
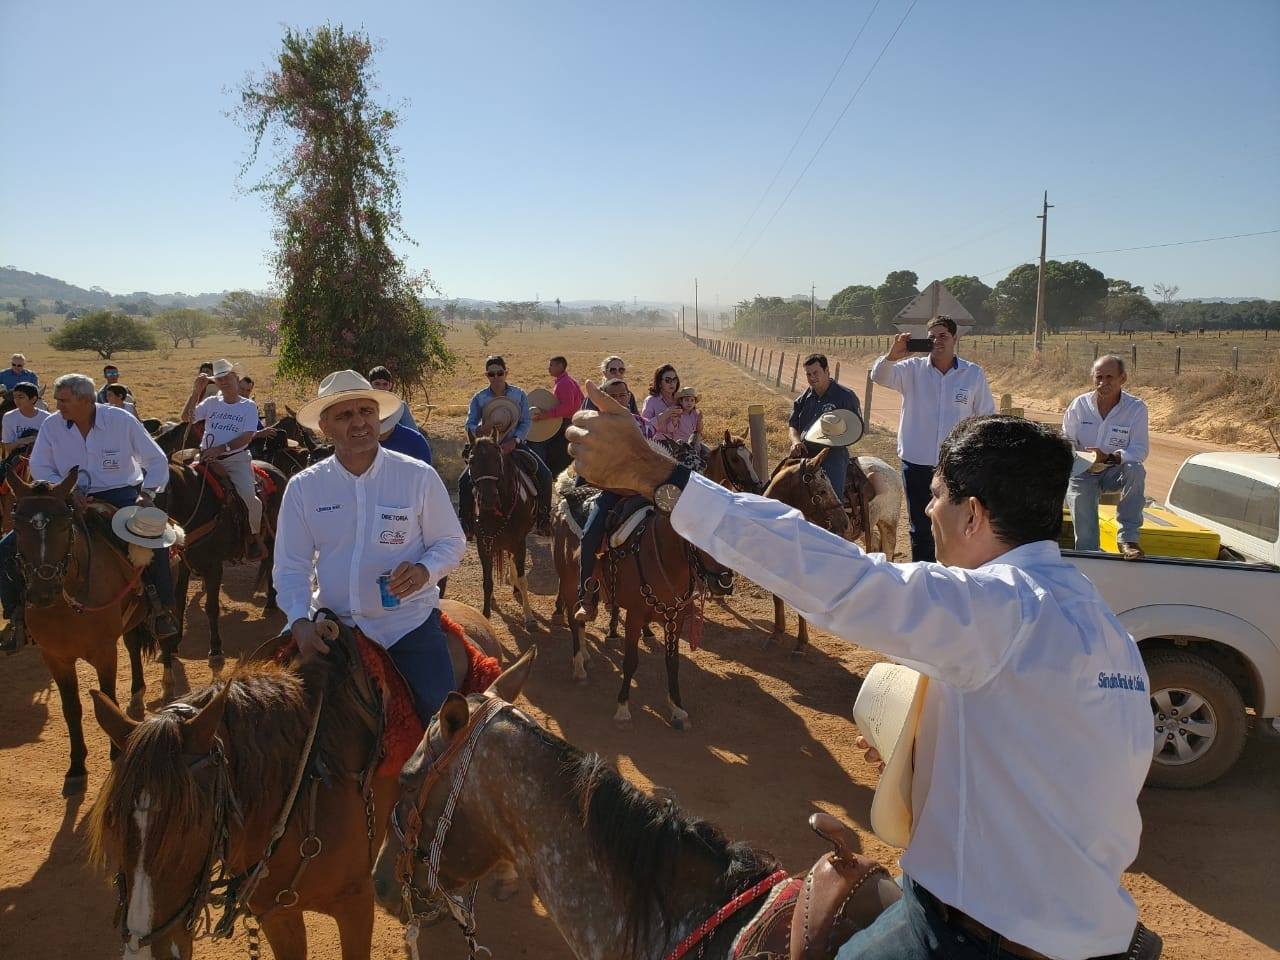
{"points": [[376, 532], [504, 406], [551, 412], [230, 424], [119, 464], [1017, 835], [825, 415], [394, 435]]}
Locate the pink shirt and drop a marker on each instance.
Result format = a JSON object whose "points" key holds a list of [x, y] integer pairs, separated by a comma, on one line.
{"points": [[654, 405], [568, 396], [682, 427]]}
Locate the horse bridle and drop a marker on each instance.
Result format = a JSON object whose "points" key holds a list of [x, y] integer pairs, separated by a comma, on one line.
{"points": [[461, 747], [55, 572], [726, 462]]}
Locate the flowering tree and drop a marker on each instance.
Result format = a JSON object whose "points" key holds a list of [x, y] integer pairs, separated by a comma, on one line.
{"points": [[347, 300]]}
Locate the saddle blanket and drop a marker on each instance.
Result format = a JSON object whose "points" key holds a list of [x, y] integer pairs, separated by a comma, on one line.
{"points": [[264, 484]]}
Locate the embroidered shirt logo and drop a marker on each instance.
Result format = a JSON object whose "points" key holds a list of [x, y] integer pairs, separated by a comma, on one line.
{"points": [[962, 396], [393, 538], [326, 508], [1121, 681]]}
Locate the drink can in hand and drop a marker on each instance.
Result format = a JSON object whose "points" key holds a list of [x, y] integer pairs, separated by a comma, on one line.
{"points": [[389, 600]]}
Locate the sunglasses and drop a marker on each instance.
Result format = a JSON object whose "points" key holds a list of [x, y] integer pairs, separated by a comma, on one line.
{"points": [[616, 370], [670, 379], [112, 373], [494, 373], [17, 366]]}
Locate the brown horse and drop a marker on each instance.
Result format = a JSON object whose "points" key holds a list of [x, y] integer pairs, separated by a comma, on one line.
{"points": [[803, 484], [276, 450], [260, 795], [623, 875], [216, 534], [730, 465], [81, 596], [505, 510]]}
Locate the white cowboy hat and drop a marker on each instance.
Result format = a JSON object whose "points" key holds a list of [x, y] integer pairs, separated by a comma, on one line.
{"points": [[500, 412], [1085, 463], [887, 713], [543, 399], [222, 367], [345, 385], [390, 421], [835, 428], [145, 526]]}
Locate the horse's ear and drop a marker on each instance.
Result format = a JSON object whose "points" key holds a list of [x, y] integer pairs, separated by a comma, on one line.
{"points": [[199, 731], [728, 438], [822, 455], [454, 714], [289, 410], [512, 680], [20, 486], [111, 719], [63, 489]]}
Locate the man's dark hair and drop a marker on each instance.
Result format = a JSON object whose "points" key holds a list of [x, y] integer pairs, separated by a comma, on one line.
{"points": [[30, 389], [1018, 469], [380, 373], [247, 379], [560, 360], [110, 366], [116, 390], [495, 360], [941, 321], [819, 358], [207, 365]]}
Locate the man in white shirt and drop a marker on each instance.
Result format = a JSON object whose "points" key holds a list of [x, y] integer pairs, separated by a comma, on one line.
{"points": [[1111, 425], [938, 391], [230, 423], [1020, 833], [377, 532], [119, 464]]}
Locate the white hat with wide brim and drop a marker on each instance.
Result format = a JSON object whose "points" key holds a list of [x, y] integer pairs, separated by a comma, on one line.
{"points": [[887, 713], [388, 422], [836, 428], [346, 385], [145, 526]]}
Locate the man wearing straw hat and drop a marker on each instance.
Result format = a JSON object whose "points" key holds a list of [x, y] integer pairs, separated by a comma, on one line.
{"points": [[825, 415], [1017, 833], [230, 424], [376, 532]]}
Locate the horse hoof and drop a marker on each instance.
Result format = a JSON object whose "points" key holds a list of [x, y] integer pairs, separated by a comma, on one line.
{"points": [[531, 624], [75, 786], [623, 716], [770, 641], [681, 721], [798, 653]]}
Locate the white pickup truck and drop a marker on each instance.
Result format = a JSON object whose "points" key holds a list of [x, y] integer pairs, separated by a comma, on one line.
{"points": [[1209, 630]]}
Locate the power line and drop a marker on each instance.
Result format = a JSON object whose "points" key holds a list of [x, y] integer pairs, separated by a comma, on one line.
{"points": [[847, 105], [777, 173], [1176, 243]]}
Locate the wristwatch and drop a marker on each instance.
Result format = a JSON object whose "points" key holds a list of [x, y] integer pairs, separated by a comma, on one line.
{"points": [[667, 494]]}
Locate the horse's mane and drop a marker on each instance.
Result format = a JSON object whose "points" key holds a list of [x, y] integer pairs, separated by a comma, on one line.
{"points": [[641, 840], [265, 724]]}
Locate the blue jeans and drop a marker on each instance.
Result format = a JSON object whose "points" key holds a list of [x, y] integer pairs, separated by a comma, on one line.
{"points": [[914, 929], [593, 534], [835, 466], [1084, 492], [158, 574], [422, 657], [915, 482]]}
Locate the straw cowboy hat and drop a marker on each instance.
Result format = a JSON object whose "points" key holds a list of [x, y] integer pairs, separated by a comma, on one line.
{"points": [[686, 392], [391, 420], [835, 428], [345, 385], [223, 366], [543, 399], [500, 412], [887, 713], [145, 526]]}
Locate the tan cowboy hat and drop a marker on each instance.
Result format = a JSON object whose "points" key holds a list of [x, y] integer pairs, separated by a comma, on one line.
{"points": [[345, 385], [686, 392], [390, 421], [887, 713], [543, 399], [145, 526], [500, 412], [835, 428]]}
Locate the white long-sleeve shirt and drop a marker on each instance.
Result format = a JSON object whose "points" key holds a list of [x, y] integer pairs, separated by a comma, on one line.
{"points": [[347, 530], [118, 452], [1035, 736], [932, 402], [1123, 429]]}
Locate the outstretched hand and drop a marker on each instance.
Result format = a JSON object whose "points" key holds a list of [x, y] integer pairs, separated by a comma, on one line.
{"points": [[610, 452]]}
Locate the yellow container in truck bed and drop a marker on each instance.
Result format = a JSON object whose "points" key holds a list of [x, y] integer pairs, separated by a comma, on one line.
{"points": [[1163, 534]]}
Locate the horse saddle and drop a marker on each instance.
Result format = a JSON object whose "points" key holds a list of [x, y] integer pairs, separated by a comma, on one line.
{"points": [[264, 484], [626, 518], [526, 486], [858, 494]]}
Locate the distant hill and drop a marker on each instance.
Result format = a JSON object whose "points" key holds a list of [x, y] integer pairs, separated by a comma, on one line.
{"points": [[16, 284]]}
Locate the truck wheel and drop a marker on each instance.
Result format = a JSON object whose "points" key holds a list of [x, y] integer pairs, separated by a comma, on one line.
{"points": [[1199, 720]]}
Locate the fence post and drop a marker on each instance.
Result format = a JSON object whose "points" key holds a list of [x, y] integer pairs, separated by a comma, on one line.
{"points": [[770, 366], [781, 360], [866, 401], [1133, 351], [1235, 358], [1177, 361], [836, 378], [1066, 349], [795, 373], [1013, 351], [759, 446], [269, 412], [1095, 350]]}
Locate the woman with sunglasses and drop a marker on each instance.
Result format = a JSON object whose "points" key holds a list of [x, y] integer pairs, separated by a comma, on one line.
{"points": [[662, 405], [614, 368]]}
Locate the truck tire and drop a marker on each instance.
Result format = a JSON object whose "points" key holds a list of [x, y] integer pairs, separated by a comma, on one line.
{"points": [[1193, 747]]}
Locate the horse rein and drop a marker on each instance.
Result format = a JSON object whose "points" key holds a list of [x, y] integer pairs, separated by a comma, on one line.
{"points": [[56, 572], [462, 748]]}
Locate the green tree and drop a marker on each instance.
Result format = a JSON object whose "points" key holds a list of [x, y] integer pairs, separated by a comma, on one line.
{"points": [[348, 300], [486, 330], [853, 308], [1127, 306], [105, 333], [972, 294], [184, 324], [254, 317], [24, 316], [1073, 292], [892, 295], [1013, 300]]}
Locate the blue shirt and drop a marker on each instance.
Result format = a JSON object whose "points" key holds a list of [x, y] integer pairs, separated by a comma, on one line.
{"points": [[515, 395], [409, 442], [808, 407], [9, 379]]}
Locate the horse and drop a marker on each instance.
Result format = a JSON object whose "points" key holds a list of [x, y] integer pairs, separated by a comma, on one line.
{"points": [[217, 528], [803, 484], [730, 465], [276, 451], [81, 595], [874, 506], [182, 435], [264, 795], [505, 507], [622, 875]]}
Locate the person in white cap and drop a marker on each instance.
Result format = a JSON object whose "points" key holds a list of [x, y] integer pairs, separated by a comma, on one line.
{"points": [[375, 531], [118, 464], [823, 395], [230, 424], [1021, 832]]}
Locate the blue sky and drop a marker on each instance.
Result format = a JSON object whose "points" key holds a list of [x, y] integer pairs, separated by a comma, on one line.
{"points": [[608, 150]]}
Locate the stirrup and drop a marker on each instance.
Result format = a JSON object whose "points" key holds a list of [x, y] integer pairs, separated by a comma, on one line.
{"points": [[14, 637]]}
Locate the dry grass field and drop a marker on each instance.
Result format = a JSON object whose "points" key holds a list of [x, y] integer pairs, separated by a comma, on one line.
{"points": [[772, 738]]}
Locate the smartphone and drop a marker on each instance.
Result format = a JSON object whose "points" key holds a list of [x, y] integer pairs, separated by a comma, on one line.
{"points": [[919, 345]]}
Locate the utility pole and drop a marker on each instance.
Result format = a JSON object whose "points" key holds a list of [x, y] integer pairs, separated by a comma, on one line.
{"points": [[813, 316], [696, 333], [1044, 232], [682, 318]]}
